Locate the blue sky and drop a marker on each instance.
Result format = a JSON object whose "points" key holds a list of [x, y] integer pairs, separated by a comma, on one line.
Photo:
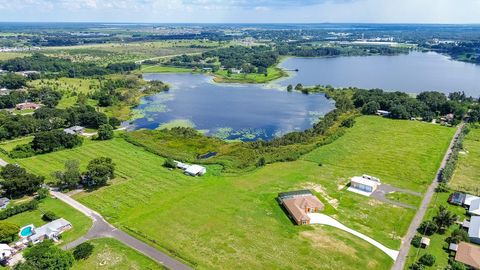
{"points": [[243, 11]]}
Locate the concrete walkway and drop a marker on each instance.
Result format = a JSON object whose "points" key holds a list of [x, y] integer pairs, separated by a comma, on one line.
{"points": [[412, 230], [317, 218], [101, 228]]}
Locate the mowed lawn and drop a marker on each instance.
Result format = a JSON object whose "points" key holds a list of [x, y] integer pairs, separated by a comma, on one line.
{"points": [[110, 254], [467, 173], [232, 222]]}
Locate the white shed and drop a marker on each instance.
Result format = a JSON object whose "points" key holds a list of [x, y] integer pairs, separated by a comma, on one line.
{"points": [[196, 170], [469, 199], [474, 230], [474, 208], [365, 183]]}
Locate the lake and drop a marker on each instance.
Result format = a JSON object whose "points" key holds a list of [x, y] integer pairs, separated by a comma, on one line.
{"points": [[229, 111], [413, 73]]}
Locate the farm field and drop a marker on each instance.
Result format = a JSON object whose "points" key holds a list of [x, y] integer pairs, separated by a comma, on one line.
{"points": [[112, 255], [231, 222], [81, 224], [467, 175]]}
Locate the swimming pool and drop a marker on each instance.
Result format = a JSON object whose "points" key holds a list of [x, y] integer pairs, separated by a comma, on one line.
{"points": [[26, 231]]}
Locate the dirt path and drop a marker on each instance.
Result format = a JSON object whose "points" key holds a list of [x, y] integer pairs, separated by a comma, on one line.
{"points": [[101, 228], [405, 247]]}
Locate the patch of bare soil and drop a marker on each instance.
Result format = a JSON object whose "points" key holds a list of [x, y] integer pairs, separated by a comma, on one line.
{"points": [[318, 188]]}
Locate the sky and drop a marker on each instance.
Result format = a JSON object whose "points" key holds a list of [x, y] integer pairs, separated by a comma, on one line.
{"points": [[242, 11]]}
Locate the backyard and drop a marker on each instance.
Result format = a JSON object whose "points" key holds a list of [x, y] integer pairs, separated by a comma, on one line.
{"points": [[219, 221]]}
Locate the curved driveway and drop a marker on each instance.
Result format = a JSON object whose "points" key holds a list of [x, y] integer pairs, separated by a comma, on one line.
{"points": [[316, 218]]}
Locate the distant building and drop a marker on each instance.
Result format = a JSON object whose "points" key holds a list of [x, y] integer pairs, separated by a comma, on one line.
{"points": [[365, 183], [383, 113], [474, 229], [28, 73], [28, 106], [75, 130], [299, 203], [4, 202], [474, 208], [196, 170], [235, 71], [468, 254]]}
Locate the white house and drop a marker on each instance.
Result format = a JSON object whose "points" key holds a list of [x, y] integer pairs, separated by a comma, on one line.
{"points": [[469, 198], [364, 184], [474, 229], [50, 230], [383, 113], [5, 252], [474, 208], [196, 170], [74, 130]]}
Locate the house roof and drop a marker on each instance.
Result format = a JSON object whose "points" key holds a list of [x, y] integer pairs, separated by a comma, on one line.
{"points": [[468, 254], [365, 181], [425, 241], [297, 205], [195, 169], [469, 199], [474, 229], [5, 247], [474, 208], [291, 194], [457, 198], [49, 228], [4, 201]]}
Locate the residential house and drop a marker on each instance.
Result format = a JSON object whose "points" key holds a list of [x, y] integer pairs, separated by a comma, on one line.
{"points": [[49, 231], [468, 254], [383, 113], [299, 203], [474, 208], [474, 229], [75, 130], [28, 106], [365, 183], [5, 252], [4, 202]]}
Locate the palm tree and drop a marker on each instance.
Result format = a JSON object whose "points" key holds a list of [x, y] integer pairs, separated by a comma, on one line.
{"points": [[444, 218]]}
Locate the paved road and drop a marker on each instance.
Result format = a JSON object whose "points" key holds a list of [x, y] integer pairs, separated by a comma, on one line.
{"points": [[101, 228], [384, 189], [317, 218], [405, 247]]}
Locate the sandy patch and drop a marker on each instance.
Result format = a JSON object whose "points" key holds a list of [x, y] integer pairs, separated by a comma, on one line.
{"points": [[321, 239], [318, 188]]}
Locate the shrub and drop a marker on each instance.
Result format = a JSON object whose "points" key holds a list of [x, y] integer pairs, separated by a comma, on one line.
{"points": [[49, 216], [427, 227], [349, 122], [427, 259], [17, 209], [105, 132], [417, 266], [42, 193], [8, 232], [459, 235], [169, 163], [83, 251]]}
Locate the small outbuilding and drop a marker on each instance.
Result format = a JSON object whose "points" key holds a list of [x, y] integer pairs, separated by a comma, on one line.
{"points": [[196, 170], [425, 242], [5, 252], [468, 254], [474, 208], [457, 198], [299, 203], [474, 229], [28, 106], [364, 184], [75, 130], [383, 113], [4, 202], [453, 247]]}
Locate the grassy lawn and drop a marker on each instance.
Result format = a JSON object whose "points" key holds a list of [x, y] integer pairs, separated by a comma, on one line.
{"points": [[273, 73], [9, 145], [163, 69], [112, 255], [230, 222], [467, 174], [81, 224], [438, 245]]}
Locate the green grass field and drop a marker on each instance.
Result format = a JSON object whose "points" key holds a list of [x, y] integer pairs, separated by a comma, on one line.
{"points": [[81, 224], [163, 69], [110, 254], [9, 145], [273, 73], [467, 175], [231, 222]]}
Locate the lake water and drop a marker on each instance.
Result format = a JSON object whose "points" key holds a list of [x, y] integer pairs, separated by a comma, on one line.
{"points": [[230, 111], [413, 73]]}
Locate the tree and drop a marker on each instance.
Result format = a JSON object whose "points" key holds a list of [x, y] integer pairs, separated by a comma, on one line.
{"points": [[299, 86], [444, 218], [83, 251], [427, 227], [99, 171], [454, 265], [8, 232], [399, 112], [371, 107], [261, 162], [46, 256], [105, 132], [17, 182], [349, 122], [13, 81], [71, 176], [459, 235], [427, 259], [416, 241], [417, 266], [289, 88], [169, 163]]}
